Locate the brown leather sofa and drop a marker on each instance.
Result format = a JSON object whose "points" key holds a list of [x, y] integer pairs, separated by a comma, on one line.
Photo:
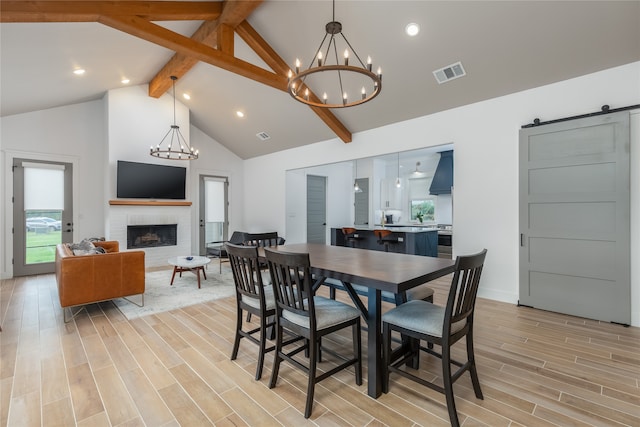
{"points": [[85, 279]]}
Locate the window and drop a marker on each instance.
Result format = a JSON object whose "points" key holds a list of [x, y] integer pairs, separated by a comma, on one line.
{"points": [[425, 207], [421, 203]]}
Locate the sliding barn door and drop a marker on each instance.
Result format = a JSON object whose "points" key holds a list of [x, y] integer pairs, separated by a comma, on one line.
{"points": [[574, 217]]}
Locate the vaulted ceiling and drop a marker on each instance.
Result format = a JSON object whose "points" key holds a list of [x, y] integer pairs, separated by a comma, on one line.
{"points": [[234, 55]]}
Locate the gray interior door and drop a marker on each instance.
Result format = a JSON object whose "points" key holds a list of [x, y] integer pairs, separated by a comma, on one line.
{"points": [[214, 210], [361, 202], [316, 209], [575, 218]]}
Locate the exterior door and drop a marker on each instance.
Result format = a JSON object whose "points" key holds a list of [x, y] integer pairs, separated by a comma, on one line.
{"points": [[214, 210], [575, 218], [316, 209], [42, 214]]}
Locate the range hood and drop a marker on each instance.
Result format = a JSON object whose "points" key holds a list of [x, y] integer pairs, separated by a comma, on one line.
{"points": [[443, 178]]}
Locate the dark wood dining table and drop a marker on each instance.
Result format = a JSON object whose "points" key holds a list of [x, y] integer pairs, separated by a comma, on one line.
{"points": [[378, 271]]}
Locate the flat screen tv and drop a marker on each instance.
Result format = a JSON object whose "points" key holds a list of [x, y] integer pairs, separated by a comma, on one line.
{"points": [[150, 181]]}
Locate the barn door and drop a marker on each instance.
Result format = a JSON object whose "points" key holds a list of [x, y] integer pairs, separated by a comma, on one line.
{"points": [[575, 217]]}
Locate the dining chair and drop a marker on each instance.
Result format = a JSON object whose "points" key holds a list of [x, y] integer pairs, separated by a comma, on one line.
{"points": [[443, 326], [310, 318], [217, 249], [253, 297]]}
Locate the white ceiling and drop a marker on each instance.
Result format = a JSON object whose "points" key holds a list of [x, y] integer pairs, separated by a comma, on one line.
{"points": [[505, 47]]}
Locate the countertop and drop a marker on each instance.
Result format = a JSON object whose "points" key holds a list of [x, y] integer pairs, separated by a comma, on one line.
{"points": [[397, 228]]}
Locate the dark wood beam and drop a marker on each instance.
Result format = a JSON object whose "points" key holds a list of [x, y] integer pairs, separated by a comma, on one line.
{"points": [[277, 64], [233, 12], [89, 11], [163, 37]]}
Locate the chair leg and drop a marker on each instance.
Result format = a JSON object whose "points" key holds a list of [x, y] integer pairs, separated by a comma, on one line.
{"points": [[311, 384], [236, 342], [472, 366], [448, 385], [263, 345], [276, 357]]}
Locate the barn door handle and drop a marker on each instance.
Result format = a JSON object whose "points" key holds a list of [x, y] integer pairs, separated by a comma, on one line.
{"points": [[522, 239]]}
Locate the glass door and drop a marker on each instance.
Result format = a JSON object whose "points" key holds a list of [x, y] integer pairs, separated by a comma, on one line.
{"points": [[42, 214], [213, 211]]}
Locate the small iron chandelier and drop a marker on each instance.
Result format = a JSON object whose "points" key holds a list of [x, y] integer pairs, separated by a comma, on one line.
{"points": [[177, 147], [304, 85]]}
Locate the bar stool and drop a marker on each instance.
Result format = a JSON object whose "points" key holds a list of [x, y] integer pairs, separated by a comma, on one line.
{"points": [[384, 238], [350, 237]]}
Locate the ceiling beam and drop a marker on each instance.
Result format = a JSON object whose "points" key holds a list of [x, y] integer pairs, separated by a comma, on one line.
{"points": [[89, 11], [163, 37], [277, 64], [233, 12]]}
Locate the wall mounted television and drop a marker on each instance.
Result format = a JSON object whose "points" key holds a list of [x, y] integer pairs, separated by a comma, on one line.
{"points": [[150, 181]]}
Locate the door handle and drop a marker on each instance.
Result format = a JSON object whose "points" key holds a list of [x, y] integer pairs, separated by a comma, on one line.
{"points": [[522, 240], [324, 223]]}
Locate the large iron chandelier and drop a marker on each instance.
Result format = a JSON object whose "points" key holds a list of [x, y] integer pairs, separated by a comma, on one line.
{"points": [[177, 147], [341, 84]]}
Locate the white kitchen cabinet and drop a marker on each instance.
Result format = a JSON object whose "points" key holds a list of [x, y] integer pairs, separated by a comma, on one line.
{"points": [[390, 194]]}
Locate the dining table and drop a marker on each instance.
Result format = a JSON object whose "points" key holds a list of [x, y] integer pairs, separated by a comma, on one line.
{"points": [[377, 271]]}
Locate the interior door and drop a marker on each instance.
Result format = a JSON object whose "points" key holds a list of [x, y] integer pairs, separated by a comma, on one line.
{"points": [[575, 217], [214, 210], [316, 209], [42, 214], [361, 202]]}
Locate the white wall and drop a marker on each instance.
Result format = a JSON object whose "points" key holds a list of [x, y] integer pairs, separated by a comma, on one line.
{"points": [[84, 135], [73, 133], [338, 215], [486, 165]]}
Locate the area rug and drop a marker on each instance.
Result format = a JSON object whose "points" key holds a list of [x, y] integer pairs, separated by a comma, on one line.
{"points": [[159, 296]]}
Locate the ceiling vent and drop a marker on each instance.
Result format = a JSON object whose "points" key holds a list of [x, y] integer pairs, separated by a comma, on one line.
{"points": [[263, 136], [449, 72]]}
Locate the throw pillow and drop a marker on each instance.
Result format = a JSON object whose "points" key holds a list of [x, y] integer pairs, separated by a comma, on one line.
{"points": [[86, 247]]}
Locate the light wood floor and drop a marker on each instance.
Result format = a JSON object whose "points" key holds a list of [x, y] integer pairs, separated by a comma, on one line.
{"points": [[536, 369]]}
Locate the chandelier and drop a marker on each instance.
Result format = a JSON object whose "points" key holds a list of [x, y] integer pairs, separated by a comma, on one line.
{"points": [[341, 84], [177, 147]]}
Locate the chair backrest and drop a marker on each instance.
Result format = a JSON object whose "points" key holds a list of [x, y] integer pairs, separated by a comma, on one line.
{"points": [[291, 281], [262, 239], [348, 230], [464, 288], [381, 234], [245, 266], [238, 237]]}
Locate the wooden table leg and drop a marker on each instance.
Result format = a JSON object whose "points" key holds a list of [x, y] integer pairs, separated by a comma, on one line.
{"points": [[173, 275], [198, 269]]}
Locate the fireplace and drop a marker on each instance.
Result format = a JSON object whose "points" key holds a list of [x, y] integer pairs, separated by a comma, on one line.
{"points": [[151, 236]]}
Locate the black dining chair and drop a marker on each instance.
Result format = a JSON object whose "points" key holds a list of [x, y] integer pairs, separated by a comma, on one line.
{"points": [[443, 326], [310, 318], [253, 297], [217, 249]]}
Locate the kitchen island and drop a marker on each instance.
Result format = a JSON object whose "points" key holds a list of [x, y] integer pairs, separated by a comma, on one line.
{"points": [[410, 240]]}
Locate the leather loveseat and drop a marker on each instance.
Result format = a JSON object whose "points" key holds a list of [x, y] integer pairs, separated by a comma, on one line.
{"points": [[85, 279]]}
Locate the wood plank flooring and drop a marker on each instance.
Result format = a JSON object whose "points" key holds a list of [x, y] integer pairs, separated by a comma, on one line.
{"points": [[536, 369]]}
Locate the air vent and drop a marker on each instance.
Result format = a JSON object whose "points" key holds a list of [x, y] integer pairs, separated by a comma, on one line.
{"points": [[263, 136], [449, 72]]}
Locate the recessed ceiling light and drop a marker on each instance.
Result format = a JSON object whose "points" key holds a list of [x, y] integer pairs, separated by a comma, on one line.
{"points": [[412, 29], [125, 81], [186, 96], [239, 113], [78, 71]]}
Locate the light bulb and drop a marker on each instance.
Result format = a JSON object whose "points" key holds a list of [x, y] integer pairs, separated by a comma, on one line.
{"points": [[346, 57], [306, 94], [290, 74], [364, 93], [297, 65], [319, 59], [324, 97], [369, 65], [398, 182]]}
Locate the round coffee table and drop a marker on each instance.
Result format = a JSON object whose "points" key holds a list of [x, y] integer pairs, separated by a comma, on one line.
{"points": [[191, 263]]}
